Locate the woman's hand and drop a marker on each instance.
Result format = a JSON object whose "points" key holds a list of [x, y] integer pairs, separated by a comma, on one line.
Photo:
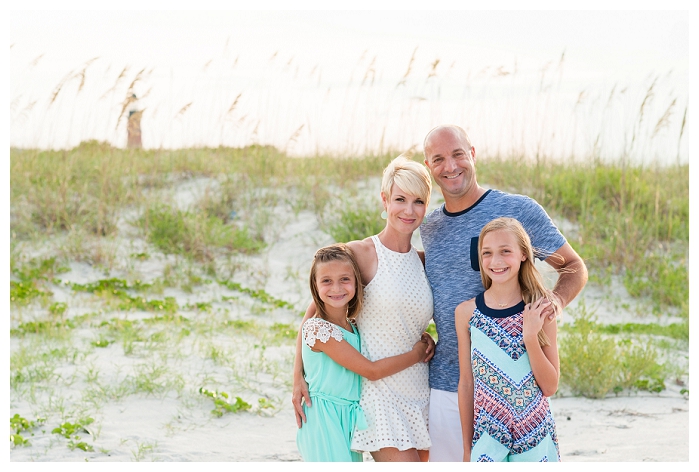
{"points": [[430, 345], [300, 388], [300, 393]]}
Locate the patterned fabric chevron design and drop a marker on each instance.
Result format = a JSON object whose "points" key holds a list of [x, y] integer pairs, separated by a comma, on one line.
{"points": [[512, 418]]}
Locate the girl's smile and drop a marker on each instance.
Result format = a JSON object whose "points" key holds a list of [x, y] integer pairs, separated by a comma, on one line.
{"points": [[501, 255]]}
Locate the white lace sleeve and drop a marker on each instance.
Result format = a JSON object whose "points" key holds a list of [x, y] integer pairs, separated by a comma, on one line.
{"points": [[318, 328]]}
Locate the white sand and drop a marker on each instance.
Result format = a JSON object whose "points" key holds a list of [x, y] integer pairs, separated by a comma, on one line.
{"points": [[644, 428]]}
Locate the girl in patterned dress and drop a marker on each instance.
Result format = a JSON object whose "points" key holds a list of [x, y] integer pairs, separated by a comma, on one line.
{"points": [[508, 354], [332, 361]]}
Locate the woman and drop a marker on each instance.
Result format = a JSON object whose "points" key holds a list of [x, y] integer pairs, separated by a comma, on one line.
{"points": [[397, 309]]}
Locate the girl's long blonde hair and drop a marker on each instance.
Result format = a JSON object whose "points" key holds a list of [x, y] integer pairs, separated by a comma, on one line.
{"points": [[530, 280], [337, 252]]}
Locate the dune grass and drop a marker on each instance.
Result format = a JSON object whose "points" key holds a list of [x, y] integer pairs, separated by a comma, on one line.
{"points": [[629, 220], [632, 221], [594, 362]]}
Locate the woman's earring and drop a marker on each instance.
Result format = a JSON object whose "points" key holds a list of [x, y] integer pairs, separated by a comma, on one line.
{"points": [[384, 215]]}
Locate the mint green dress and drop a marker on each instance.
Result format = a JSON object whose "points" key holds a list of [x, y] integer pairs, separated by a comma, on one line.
{"points": [[327, 434]]}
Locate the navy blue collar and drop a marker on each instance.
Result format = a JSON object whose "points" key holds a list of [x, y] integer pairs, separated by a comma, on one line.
{"points": [[459, 213], [492, 312]]}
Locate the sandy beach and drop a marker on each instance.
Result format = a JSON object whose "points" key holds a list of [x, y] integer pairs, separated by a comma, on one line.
{"points": [[642, 428], [175, 424]]}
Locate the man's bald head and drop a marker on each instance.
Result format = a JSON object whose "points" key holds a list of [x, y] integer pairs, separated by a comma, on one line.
{"points": [[440, 130]]}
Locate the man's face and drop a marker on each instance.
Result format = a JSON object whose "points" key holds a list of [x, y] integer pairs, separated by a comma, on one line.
{"points": [[451, 161]]}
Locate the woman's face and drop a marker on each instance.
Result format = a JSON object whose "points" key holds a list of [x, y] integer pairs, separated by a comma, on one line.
{"points": [[405, 211]]}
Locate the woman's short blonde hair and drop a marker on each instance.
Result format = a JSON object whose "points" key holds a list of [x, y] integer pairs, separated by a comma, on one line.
{"points": [[411, 176]]}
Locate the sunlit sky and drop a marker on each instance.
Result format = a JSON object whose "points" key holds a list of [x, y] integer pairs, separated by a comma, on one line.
{"points": [[281, 63], [597, 40], [619, 44]]}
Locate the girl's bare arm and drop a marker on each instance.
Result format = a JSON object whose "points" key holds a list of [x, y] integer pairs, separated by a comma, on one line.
{"points": [[544, 360], [462, 316], [348, 357]]}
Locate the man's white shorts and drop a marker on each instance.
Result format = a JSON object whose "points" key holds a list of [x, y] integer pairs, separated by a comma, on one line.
{"points": [[445, 427]]}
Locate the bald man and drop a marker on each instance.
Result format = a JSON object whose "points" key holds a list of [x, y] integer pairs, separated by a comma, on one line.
{"points": [[450, 239]]}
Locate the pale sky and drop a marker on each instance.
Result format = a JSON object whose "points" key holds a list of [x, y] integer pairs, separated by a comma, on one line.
{"points": [[183, 50], [620, 42]]}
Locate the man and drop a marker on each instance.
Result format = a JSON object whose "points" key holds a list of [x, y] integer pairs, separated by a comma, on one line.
{"points": [[450, 238]]}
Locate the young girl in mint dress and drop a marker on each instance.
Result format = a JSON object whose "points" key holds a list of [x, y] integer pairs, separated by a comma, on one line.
{"points": [[332, 362]]}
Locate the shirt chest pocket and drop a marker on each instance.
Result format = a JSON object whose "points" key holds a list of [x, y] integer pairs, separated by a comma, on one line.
{"points": [[474, 254]]}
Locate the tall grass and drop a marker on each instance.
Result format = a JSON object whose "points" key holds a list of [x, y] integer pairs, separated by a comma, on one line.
{"points": [[85, 187], [195, 235], [630, 220], [594, 364], [53, 191], [359, 107], [355, 221]]}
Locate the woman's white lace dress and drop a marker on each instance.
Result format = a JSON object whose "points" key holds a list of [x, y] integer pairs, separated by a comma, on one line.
{"points": [[397, 309]]}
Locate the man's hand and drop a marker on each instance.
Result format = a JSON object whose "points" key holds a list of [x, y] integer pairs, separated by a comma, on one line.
{"points": [[553, 309], [534, 317]]}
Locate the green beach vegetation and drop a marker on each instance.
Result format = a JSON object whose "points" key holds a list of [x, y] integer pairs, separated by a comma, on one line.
{"points": [[630, 222]]}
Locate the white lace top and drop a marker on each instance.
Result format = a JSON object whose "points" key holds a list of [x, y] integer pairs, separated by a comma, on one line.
{"points": [[320, 329]]}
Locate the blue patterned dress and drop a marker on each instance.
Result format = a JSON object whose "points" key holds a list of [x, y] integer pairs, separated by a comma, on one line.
{"points": [[512, 419]]}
